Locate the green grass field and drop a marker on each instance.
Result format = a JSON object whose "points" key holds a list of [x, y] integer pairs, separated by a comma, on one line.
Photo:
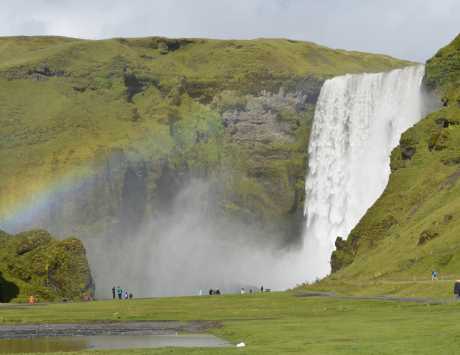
{"points": [[278, 323]]}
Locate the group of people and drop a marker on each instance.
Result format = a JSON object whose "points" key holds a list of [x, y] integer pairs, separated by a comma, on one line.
{"points": [[217, 292], [243, 291], [122, 294]]}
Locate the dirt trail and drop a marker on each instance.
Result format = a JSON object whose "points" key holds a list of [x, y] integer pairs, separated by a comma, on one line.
{"points": [[424, 300]]}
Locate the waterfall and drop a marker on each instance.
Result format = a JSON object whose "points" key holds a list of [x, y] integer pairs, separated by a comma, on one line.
{"points": [[358, 121]]}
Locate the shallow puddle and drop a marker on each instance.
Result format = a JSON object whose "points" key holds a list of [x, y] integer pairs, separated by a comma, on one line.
{"points": [[76, 343]]}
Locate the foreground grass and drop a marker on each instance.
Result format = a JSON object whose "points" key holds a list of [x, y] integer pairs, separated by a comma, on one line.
{"points": [[278, 323]]}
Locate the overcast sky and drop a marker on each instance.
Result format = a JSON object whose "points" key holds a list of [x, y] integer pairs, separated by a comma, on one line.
{"points": [[409, 29]]}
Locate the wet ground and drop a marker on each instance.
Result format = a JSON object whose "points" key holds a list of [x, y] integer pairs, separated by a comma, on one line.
{"points": [[76, 343], [106, 335], [104, 328]]}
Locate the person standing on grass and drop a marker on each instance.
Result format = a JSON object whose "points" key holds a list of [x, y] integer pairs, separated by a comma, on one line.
{"points": [[113, 292], [457, 289], [119, 292]]}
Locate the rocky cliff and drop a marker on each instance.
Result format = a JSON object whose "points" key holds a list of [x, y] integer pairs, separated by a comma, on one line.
{"points": [[98, 137]]}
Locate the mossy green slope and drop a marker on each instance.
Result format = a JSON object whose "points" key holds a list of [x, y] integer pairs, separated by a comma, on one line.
{"points": [[68, 105], [414, 227], [34, 263]]}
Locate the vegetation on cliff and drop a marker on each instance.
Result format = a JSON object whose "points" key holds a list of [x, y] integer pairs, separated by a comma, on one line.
{"points": [[110, 119], [33, 263], [414, 227]]}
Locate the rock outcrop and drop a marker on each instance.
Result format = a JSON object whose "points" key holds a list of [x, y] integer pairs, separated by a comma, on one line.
{"points": [[35, 264]]}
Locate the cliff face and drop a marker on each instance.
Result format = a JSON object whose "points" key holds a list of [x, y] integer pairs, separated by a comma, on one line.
{"points": [[33, 263], [414, 227], [99, 137], [252, 157]]}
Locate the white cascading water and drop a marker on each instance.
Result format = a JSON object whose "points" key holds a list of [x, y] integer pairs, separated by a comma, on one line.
{"points": [[358, 121]]}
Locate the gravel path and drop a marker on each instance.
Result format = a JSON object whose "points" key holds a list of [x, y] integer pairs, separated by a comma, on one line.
{"points": [[423, 300]]}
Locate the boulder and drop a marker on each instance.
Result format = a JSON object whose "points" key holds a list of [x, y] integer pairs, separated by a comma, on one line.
{"points": [[35, 263]]}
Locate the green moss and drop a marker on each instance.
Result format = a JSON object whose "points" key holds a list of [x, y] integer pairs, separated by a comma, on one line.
{"points": [[33, 263], [229, 100]]}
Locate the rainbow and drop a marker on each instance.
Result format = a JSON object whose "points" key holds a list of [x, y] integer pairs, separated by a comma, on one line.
{"points": [[29, 212]]}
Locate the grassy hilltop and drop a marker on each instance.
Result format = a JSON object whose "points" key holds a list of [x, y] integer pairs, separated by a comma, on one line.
{"points": [[86, 124], [414, 227]]}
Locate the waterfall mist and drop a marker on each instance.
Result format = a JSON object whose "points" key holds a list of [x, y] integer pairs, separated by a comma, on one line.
{"points": [[358, 121], [187, 249]]}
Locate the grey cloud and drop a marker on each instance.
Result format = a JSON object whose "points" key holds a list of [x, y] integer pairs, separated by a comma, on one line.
{"points": [[412, 29], [29, 27]]}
